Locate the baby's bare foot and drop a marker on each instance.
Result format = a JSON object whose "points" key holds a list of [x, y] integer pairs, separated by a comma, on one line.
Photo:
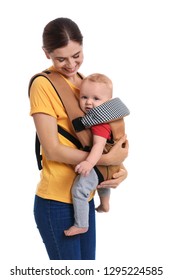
{"points": [[102, 208], [75, 230]]}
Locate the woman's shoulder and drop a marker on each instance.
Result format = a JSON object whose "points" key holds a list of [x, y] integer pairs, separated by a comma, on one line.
{"points": [[39, 81]]}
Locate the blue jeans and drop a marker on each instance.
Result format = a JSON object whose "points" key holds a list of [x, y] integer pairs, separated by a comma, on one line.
{"points": [[52, 218]]}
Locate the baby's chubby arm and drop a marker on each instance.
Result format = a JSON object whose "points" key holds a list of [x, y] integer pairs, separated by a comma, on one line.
{"points": [[97, 149]]}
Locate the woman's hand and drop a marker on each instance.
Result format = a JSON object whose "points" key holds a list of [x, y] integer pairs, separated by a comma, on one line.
{"points": [[117, 153], [118, 178]]}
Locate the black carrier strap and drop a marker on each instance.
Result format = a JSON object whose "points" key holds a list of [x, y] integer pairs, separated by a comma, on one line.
{"points": [[37, 152], [61, 131], [69, 136]]}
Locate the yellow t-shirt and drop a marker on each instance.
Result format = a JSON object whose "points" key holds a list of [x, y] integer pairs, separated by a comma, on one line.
{"points": [[56, 178]]}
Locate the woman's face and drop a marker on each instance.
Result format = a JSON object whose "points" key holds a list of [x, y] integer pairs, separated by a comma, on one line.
{"points": [[67, 60]]}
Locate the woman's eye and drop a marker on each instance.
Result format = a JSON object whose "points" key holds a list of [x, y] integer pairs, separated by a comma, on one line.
{"points": [[60, 59], [76, 56]]}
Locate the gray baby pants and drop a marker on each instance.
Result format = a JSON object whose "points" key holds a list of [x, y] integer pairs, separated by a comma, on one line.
{"points": [[81, 189]]}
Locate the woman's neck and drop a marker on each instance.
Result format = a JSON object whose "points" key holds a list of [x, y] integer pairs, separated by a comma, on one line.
{"points": [[75, 79]]}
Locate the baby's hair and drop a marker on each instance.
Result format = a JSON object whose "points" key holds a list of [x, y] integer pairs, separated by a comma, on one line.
{"points": [[99, 78]]}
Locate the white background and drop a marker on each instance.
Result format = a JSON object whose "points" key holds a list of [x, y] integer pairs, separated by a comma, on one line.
{"points": [[131, 42]]}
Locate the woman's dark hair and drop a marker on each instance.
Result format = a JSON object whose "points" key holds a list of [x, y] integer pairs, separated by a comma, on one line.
{"points": [[58, 32]]}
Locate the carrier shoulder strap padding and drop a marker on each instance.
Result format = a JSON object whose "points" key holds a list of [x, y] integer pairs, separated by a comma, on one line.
{"points": [[109, 111]]}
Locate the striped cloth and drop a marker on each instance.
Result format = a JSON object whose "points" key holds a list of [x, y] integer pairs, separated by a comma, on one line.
{"points": [[109, 111]]}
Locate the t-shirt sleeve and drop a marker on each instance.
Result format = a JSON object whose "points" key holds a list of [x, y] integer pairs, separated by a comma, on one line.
{"points": [[102, 130], [41, 98]]}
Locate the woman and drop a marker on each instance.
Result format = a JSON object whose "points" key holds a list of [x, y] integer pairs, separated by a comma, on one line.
{"points": [[53, 209]]}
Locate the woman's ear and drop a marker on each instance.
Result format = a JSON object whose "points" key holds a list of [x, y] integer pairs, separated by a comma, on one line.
{"points": [[46, 53]]}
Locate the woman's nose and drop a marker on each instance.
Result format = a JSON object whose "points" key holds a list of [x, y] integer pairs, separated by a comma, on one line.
{"points": [[70, 63]]}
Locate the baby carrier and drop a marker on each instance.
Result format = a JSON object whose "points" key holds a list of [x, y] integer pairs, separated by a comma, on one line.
{"points": [[111, 112]]}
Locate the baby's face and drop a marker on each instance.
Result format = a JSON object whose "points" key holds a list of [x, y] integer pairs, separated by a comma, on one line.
{"points": [[92, 95]]}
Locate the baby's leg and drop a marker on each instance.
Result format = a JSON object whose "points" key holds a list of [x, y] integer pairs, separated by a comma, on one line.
{"points": [[81, 190], [104, 195]]}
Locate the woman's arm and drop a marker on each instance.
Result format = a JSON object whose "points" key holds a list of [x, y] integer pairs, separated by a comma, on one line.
{"points": [[46, 127]]}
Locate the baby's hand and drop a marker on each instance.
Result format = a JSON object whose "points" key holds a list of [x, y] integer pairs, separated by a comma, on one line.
{"points": [[84, 168]]}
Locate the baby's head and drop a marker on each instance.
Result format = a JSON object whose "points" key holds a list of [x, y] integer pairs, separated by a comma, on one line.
{"points": [[95, 90]]}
